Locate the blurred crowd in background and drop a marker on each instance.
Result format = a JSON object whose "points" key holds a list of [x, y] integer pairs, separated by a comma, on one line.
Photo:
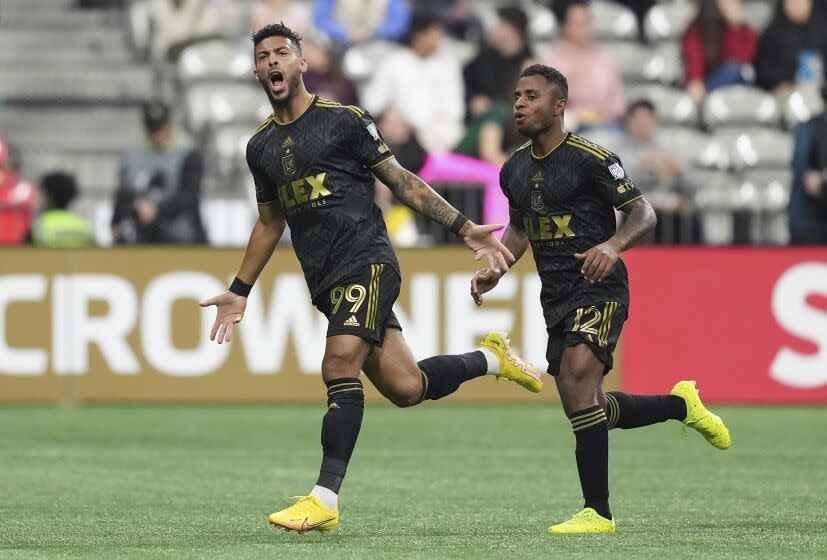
{"points": [[126, 122]]}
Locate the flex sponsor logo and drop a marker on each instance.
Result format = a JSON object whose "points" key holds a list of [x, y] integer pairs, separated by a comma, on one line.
{"points": [[304, 193]]}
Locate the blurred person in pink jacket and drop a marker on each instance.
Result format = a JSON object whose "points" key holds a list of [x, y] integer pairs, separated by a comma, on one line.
{"points": [[596, 90], [18, 202]]}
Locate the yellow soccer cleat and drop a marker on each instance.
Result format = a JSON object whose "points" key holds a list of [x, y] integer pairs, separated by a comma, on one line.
{"points": [[585, 522], [512, 367], [697, 416], [308, 514]]}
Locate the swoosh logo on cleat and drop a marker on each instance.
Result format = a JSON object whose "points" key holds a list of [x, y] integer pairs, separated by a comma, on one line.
{"points": [[306, 527]]}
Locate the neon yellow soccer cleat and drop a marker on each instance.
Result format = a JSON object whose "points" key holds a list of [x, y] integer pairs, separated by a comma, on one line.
{"points": [[697, 416], [512, 367], [308, 514], [585, 522]]}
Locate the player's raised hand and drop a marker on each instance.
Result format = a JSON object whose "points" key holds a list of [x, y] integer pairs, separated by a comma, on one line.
{"points": [[478, 238], [598, 261], [229, 311], [483, 281]]}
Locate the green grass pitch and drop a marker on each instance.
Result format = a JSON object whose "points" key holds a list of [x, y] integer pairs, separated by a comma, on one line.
{"points": [[438, 481]]}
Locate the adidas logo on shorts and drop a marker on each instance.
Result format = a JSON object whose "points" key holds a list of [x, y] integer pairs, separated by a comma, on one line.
{"points": [[352, 322]]}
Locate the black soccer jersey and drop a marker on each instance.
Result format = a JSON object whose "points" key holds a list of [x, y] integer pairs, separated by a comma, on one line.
{"points": [[318, 169], [565, 203]]}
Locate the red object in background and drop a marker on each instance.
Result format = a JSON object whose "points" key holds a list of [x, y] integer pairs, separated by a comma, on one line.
{"points": [[18, 202], [749, 324]]}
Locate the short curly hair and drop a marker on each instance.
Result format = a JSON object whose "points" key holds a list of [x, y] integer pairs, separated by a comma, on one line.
{"points": [[552, 76], [278, 30]]}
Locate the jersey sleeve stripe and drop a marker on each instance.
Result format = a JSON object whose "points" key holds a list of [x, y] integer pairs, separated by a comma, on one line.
{"points": [[592, 145], [263, 125], [267, 201], [628, 201], [524, 146], [602, 158], [383, 161]]}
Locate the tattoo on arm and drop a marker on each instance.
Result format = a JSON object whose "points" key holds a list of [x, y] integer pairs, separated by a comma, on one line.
{"points": [[516, 240], [415, 193], [640, 220]]}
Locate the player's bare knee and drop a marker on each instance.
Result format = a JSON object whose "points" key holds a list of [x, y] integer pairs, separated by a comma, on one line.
{"points": [[406, 395], [336, 365]]}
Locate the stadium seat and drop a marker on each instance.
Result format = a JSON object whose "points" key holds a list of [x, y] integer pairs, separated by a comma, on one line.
{"points": [[802, 105], [360, 61], [668, 21], [740, 105], [641, 64], [214, 60], [673, 105], [542, 25], [762, 148], [697, 148], [770, 194], [139, 28], [227, 148], [209, 104], [715, 199], [757, 14], [613, 21]]}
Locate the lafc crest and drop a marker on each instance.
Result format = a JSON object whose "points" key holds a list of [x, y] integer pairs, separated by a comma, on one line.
{"points": [[537, 199], [288, 163]]}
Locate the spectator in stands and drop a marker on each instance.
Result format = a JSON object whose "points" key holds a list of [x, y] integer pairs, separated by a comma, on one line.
{"points": [[489, 83], [58, 227], [717, 47], [18, 200], [324, 75], [808, 198], [160, 186], [640, 8], [595, 87], [459, 17], [352, 22], [177, 24], [423, 82], [793, 48], [657, 171], [294, 14]]}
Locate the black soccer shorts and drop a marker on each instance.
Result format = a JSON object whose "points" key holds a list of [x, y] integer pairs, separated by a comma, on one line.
{"points": [[597, 325], [361, 303]]}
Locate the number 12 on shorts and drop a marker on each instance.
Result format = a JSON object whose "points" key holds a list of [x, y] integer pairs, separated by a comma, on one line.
{"points": [[595, 323]]}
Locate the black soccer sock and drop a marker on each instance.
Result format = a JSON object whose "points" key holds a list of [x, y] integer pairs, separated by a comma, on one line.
{"points": [[592, 453], [340, 428], [442, 375], [627, 411]]}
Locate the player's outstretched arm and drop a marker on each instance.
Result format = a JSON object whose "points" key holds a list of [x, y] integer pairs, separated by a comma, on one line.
{"points": [[230, 305], [417, 195], [599, 261], [516, 241]]}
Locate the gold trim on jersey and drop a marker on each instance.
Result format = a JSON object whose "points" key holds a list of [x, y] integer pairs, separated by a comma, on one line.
{"points": [[535, 156], [268, 201], [628, 201], [512, 154], [300, 115], [264, 125], [586, 149], [590, 144], [383, 161], [580, 142], [330, 104]]}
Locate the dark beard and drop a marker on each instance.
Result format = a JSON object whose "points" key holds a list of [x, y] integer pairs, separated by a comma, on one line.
{"points": [[292, 90]]}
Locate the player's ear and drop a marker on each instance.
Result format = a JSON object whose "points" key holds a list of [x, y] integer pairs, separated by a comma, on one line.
{"points": [[303, 65], [560, 107]]}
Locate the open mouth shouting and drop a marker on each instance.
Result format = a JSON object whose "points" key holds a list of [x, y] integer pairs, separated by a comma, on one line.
{"points": [[277, 83]]}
